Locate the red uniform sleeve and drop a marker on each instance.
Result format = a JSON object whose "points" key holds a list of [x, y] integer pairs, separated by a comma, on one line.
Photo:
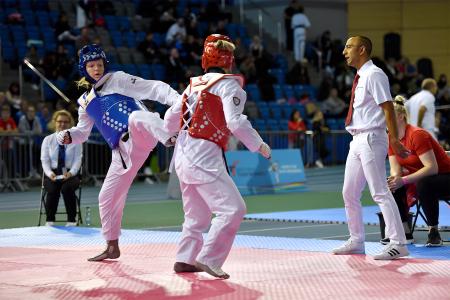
{"points": [[390, 151], [421, 142]]}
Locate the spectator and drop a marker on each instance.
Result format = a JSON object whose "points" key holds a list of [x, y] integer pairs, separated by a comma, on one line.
{"points": [[427, 167], [61, 164], [442, 86], [421, 107], [289, 32], [256, 47], [175, 69], [176, 32], [33, 57], [248, 69], [298, 74], [296, 123], [149, 48], [44, 115], [13, 97], [319, 130], [29, 124], [299, 23], [63, 30], [65, 64], [193, 51], [334, 106], [3, 99], [8, 125], [84, 38]]}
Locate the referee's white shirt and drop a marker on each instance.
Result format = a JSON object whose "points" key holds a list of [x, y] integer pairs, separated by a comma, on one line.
{"points": [[49, 155], [372, 90]]}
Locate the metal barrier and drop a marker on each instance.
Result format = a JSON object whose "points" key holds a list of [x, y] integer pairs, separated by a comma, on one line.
{"points": [[20, 155]]}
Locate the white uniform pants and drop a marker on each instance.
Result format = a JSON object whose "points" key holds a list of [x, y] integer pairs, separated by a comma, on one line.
{"points": [[366, 162], [299, 44], [222, 198], [145, 129]]}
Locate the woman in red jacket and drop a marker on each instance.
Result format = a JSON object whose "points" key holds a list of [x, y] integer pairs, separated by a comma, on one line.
{"points": [[427, 166]]}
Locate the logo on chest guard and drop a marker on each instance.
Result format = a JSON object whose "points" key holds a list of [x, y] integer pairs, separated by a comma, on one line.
{"points": [[236, 101]]}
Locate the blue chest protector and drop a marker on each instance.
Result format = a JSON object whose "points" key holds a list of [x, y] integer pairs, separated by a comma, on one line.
{"points": [[110, 114]]}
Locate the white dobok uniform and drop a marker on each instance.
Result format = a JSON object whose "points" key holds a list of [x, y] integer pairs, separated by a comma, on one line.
{"points": [[366, 160], [145, 129], [205, 184]]}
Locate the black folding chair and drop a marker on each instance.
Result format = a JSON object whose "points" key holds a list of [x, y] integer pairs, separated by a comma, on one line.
{"points": [[43, 207]]}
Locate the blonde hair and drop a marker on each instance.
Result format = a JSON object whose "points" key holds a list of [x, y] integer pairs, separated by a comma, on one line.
{"points": [[83, 83], [224, 45], [52, 125], [399, 106]]}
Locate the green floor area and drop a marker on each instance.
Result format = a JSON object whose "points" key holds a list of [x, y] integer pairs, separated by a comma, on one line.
{"points": [[169, 213]]}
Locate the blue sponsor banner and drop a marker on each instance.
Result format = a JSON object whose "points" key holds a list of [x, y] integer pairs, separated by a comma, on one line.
{"points": [[253, 174]]}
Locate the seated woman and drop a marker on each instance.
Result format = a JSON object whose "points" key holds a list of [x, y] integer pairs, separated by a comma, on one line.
{"points": [[61, 164], [427, 166], [296, 123]]}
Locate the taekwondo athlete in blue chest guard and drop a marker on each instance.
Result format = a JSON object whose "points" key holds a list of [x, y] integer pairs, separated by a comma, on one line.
{"points": [[113, 105]]}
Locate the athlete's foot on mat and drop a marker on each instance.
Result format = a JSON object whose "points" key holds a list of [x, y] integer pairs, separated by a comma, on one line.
{"points": [[112, 251], [181, 267], [214, 271]]}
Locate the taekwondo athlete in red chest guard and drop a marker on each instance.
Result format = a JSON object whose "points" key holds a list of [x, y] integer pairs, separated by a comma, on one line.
{"points": [[209, 112]]}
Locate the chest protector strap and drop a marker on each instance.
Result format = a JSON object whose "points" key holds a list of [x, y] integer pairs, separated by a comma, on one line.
{"points": [[207, 121]]}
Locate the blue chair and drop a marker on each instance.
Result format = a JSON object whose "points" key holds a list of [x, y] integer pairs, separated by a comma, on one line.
{"points": [[145, 71], [8, 53], [115, 67], [124, 23], [140, 36], [278, 91], [276, 112], [288, 91], [130, 69], [25, 5], [130, 37], [264, 112], [283, 124], [111, 23], [28, 17], [260, 124], [159, 72], [273, 124], [159, 39], [311, 90], [253, 92], [116, 38], [232, 30], [242, 31], [279, 74]]}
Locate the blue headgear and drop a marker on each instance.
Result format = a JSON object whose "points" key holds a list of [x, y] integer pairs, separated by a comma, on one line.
{"points": [[90, 53]]}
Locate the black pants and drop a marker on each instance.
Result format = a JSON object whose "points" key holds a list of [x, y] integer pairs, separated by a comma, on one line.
{"points": [[67, 188], [429, 191], [400, 199]]}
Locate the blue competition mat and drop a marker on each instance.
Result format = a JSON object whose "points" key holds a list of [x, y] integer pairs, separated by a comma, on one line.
{"points": [[42, 237], [337, 215]]}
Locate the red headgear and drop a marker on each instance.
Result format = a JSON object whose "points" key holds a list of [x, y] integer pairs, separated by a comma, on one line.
{"points": [[215, 57]]}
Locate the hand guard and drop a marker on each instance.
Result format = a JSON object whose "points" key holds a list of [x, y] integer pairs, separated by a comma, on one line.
{"points": [[265, 150]]}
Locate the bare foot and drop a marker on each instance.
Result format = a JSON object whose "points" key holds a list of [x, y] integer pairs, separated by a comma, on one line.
{"points": [[214, 271], [112, 251]]}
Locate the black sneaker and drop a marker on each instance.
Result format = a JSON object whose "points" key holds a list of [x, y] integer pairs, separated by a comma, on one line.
{"points": [[409, 239], [434, 238]]}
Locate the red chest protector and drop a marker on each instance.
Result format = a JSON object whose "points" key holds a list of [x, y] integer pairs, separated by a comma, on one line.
{"points": [[208, 120]]}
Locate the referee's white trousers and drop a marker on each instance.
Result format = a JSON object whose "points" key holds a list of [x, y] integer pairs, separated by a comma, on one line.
{"points": [[366, 162], [145, 129], [222, 198]]}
